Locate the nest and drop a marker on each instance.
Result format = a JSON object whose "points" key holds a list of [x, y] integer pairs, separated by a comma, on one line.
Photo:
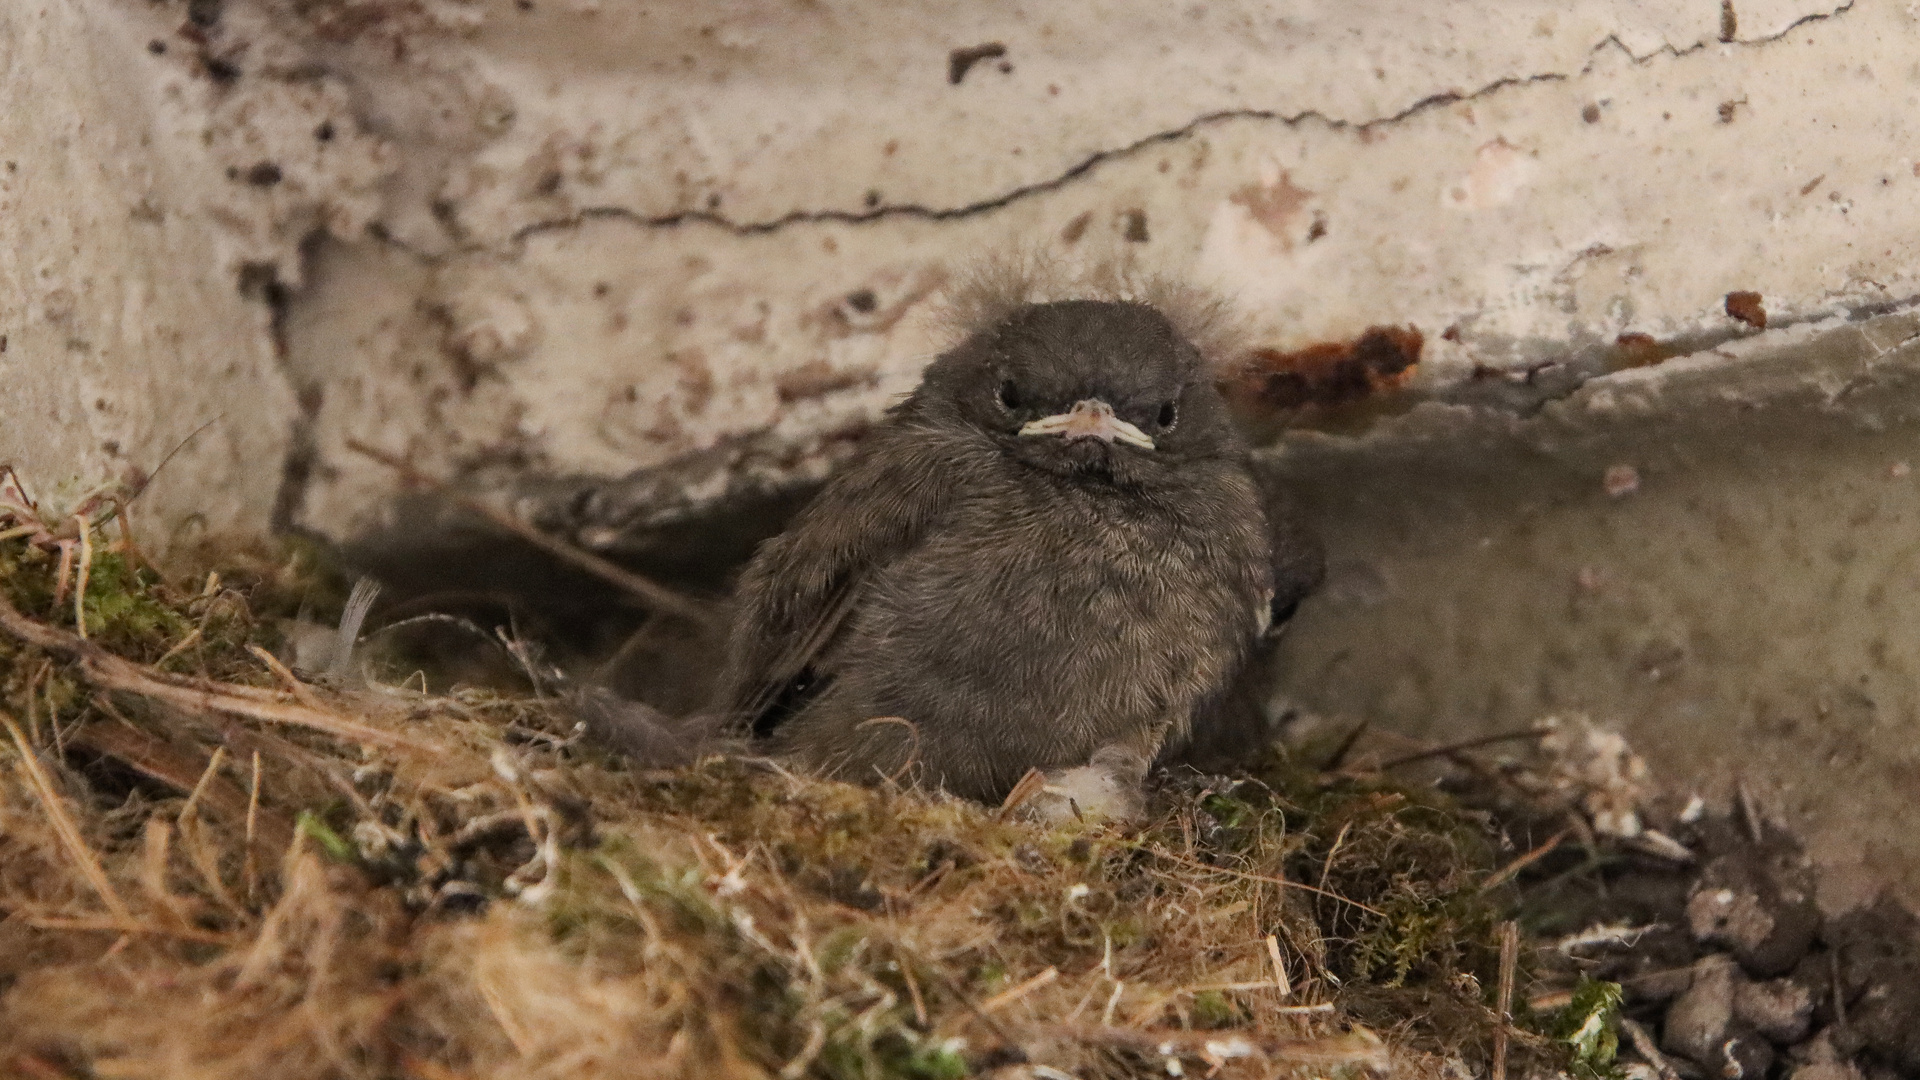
{"points": [[212, 865]]}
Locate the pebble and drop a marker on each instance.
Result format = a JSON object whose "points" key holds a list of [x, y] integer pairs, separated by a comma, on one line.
{"points": [[1698, 1020], [1736, 904], [1780, 1009]]}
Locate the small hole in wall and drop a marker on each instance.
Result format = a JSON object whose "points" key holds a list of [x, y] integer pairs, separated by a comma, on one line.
{"points": [[873, 199], [863, 301]]}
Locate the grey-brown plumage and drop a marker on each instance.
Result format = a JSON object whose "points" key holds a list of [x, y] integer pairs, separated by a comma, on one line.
{"points": [[1052, 550]]}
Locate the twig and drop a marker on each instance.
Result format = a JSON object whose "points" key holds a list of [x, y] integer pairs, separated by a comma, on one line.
{"points": [[206, 777], [651, 593], [1524, 861], [1354, 1047], [1339, 838], [1748, 812], [1279, 967], [124, 926], [1339, 755], [104, 669], [999, 1030], [1643, 1045], [913, 991], [1551, 1002], [185, 643], [1454, 748], [251, 868], [1015, 993], [1030, 784], [301, 692], [86, 571], [63, 825], [1230, 988], [159, 760], [1509, 956]]}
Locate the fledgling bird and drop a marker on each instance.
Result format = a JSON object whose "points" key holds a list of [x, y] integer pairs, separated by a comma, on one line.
{"points": [[1051, 555]]}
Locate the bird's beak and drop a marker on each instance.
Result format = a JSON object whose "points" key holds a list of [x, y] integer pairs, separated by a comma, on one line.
{"points": [[1090, 419]]}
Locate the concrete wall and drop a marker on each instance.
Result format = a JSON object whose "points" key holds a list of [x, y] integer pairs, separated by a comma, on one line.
{"points": [[692, 244]]}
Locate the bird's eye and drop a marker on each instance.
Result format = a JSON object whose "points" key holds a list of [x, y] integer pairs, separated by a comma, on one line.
{"points": [[1009, 395], [1169, 412]]}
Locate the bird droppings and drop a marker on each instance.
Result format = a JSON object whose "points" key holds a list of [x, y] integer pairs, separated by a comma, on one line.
{"points": [[1747, 307], [1380, 360]]}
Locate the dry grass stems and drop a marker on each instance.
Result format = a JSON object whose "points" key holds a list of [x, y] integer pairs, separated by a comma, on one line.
{"points": [[213, 867]]}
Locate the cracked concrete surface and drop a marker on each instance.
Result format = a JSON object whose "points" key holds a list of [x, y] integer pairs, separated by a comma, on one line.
{"points": [[1739, 603], [715, 291], [693, 252], [617, 265]]}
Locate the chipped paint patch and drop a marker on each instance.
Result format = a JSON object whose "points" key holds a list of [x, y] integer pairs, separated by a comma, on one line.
{"points": [[1381, 359]]}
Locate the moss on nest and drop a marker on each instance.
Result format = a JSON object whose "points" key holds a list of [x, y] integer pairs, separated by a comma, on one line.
{"points": [[210, 867]]}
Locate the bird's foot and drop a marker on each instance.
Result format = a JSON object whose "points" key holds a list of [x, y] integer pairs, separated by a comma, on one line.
{"points": [[1110, 786]]}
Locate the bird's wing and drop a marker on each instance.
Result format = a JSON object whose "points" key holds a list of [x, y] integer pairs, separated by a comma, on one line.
{"points": [[1299, 558], [801, 586]]}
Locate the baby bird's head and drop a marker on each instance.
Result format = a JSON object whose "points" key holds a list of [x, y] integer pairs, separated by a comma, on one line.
{"points": [[1101, 390]]}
